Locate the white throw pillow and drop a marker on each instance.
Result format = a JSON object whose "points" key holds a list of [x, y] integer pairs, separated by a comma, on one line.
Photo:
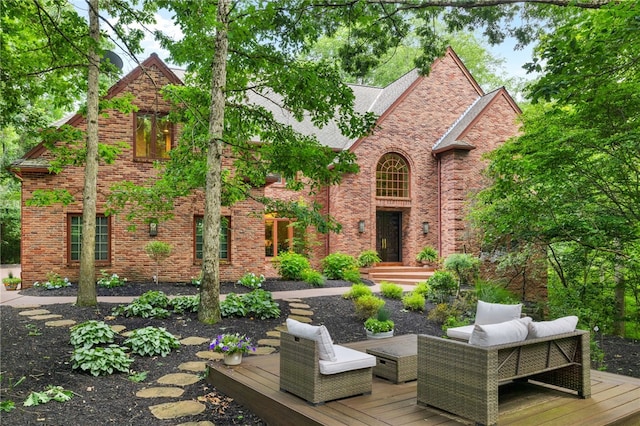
{"points": [[319, 334], [501, 333], [549, 328], [494, 313]]}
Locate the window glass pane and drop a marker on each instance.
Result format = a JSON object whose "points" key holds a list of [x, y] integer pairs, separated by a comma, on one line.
{"points": [[284, 243], [102, 238], [268, 238], [76, 237], [392, 177], [143, 136], [163, 138], [224, 238]]}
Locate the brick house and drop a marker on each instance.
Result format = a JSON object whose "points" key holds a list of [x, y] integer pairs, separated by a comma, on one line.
{"points": [[416, 171]]}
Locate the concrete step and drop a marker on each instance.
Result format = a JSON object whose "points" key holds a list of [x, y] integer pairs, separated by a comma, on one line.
{"points": [[398, 274]]}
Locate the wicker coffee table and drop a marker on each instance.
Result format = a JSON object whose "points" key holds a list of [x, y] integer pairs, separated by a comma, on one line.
{"points": [[397, 363]]}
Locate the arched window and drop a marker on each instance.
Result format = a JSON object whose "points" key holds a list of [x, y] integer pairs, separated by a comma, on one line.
{"points": [[392, 177]]}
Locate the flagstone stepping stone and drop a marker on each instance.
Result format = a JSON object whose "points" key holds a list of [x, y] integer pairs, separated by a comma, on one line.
{"points": [[160, 392], [201, 423], [173, 410], [45, 317], [264, 350], [302, 312], [60, 323], [209, 355], [269, 342], [299, 305], [194, 341], [281, 328], [127, 333], [196, 366], [300, 318], [273, 334], [117, 328], [292, 300], [179, 379], [33, 312]]}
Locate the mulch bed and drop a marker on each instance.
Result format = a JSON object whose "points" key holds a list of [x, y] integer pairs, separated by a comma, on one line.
{"points": [[41, 355]]}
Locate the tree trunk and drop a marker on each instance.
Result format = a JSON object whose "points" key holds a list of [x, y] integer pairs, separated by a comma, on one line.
{"points": [[619, 292], [87, 294], [209, 309]]}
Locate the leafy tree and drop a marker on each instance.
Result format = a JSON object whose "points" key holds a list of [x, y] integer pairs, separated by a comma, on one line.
{"points": [[570, 183]]}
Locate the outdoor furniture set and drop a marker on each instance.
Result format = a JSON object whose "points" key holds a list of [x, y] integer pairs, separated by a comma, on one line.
{"points": [[461, 377]]}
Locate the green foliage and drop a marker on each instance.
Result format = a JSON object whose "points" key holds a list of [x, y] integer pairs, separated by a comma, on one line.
{"points": [[91, 333], [368, 258], [413, 301], [442, 284], [423, 288], [367, 306], [376, 326], [358, 290], [54, 281], [443, 313], [464, 265], [34, 330], [151, 304], [290, 265], [182, 304], [352, 275], [151, 341], [101, 360], [313, 277], [110, 281], [336, 264], [391, 290], [155, 298], [52, 393], [427, 254], [158, 251], [494, 293], [7, 406], [138, 377], [258, 303], [251, 280]]}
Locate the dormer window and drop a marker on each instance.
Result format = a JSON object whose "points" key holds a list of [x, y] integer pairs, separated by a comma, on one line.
{"points": [[153, 136]]}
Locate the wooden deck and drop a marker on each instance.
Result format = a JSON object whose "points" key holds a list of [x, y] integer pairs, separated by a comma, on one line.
{"points": [[255, 383]]}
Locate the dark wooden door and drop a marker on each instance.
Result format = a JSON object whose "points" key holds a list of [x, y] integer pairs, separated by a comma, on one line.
{"points": [[388, 236]]}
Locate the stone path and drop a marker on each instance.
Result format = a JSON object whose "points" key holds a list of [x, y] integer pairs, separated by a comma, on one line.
{"points": [[172, 385]]}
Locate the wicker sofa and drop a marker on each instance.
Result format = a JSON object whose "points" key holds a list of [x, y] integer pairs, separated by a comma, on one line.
{"points": [[305, 374], [463, 379]]}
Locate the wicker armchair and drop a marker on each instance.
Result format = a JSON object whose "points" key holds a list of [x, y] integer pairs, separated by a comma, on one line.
{"points": [[300, 372], [463, 379]]}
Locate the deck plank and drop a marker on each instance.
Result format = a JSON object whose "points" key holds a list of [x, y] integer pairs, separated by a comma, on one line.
{"points": [[255, 384]]}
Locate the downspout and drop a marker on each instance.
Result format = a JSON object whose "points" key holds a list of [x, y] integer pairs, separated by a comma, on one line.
{"points": [[327, 244], [439, 201]]}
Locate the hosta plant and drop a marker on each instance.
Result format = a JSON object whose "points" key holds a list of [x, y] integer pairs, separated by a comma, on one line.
{"points": [[251, 280], [151, 341], [99, 361], [182, 304], [91, 333], [110, 281], [52, 393]]}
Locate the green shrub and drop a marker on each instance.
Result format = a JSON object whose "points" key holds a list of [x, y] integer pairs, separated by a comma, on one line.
{"points": [[443, 284], [368, 258], [357, 291], [142, 310], [352, 275], [464, 265], [413, 301], [313, 277], [367, 306], [493, 293], [101, 360], [182, 304], [155, 298], [151, 341], [442, 313], [427, 254], [290, 265], [260, 303], [158, 251], [335, 265], [251, 280], [423, 288], [391, 290], [381, 323], [233, 306], [110, 281], [54, 281], [91, 333]]}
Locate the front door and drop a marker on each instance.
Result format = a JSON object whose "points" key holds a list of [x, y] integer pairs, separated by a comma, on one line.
{"points": [[388, 232]]}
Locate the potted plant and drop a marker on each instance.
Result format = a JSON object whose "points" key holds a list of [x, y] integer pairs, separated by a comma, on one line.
{"points": [[427, 255], [11, 283], [380, 326], [232, 347]]}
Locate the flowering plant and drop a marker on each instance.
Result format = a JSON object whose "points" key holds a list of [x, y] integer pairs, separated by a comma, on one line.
{"points": [[231, 344]]}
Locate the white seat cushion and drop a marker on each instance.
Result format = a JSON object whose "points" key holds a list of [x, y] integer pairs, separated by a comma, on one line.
{"points": [[318, 333], [347, 360], [501, 333], [460, 333], [493, 313], [549, 328]]}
